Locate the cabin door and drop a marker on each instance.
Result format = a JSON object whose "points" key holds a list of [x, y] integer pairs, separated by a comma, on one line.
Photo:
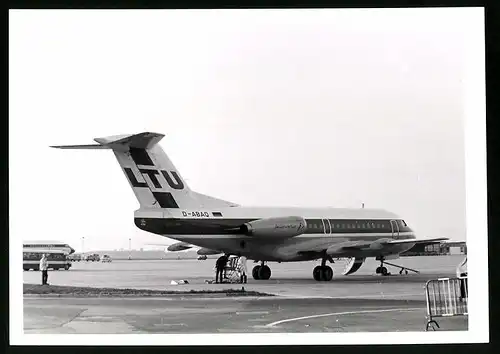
{"points": [[327, 226], [395, 229]]}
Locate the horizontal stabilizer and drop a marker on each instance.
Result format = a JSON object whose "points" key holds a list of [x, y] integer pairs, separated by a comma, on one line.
{"points": [[140, 141], [79, 147], [144, 140]]}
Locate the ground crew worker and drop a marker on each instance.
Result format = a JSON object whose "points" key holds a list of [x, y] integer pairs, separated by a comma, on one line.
{"points": [[44, 265], [242, 268], [220, 266]]}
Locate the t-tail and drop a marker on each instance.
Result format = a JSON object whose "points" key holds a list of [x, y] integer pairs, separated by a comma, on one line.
{"points": [[153, 177]]}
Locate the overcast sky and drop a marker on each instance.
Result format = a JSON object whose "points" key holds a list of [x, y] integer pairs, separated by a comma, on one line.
{"points": [[275, 108]]}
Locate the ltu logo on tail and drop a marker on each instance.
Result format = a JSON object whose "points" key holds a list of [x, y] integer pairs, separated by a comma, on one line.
{"points": [[175, 183]]}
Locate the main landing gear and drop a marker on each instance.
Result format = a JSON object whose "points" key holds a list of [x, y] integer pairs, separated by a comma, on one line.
{"points": [[261, 272], [323, 272]]}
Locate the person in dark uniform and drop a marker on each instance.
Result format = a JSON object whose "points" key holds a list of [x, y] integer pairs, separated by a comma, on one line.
{"points": [[220, 265]]}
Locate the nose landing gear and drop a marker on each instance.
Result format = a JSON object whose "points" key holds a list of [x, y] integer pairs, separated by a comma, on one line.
{"points": [[382, 270], [261, 272]]}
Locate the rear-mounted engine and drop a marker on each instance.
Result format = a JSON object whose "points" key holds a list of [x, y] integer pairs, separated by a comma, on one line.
{"points": [[289, 226]]}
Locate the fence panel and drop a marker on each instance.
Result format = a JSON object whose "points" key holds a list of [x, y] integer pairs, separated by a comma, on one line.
{"points": [[446, 297]]}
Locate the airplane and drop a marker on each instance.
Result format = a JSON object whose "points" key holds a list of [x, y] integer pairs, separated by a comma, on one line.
{"points": [[169, 208]]}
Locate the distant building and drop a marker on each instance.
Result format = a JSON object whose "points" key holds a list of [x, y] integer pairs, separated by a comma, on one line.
{"points": [[437, 249]]}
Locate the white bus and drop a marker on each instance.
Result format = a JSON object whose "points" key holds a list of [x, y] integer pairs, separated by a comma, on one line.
{"points": [[56, 260]]}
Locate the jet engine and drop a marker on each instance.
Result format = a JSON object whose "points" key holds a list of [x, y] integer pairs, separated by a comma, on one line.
{"points": [[179, 246], [289, 226]]}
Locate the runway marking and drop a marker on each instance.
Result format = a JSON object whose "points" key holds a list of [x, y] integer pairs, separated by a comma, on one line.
{"points": [[342, 313]]}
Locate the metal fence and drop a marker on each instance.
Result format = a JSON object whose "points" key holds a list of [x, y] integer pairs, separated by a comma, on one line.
{"points": [[446, 297]]}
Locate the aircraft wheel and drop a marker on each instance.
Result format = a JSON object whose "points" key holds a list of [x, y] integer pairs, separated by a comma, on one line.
{"points": [[317, 273], [327, 273], [384, 271], [264, 272], [255, 272], [378, 270]]}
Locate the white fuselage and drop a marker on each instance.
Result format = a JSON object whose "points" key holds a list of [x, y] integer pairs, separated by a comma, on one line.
{"points": [[326, 227]]}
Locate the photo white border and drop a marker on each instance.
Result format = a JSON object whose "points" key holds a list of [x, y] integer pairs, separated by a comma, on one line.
{"points": [[477, 247]]}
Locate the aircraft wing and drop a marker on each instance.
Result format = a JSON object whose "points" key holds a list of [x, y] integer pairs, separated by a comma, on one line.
{"points": [[337, 247], [426, 241], [333, 248]]}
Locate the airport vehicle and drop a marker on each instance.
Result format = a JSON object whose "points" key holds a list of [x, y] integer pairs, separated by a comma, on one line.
{"points": [[201, 257], [75, 257], [56, 260], [168, 207], [106, 259], [92, 257]]}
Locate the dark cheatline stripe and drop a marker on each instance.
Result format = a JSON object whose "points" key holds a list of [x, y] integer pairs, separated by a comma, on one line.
{"points": [[141, 157], [165, 200], [227, 226]]}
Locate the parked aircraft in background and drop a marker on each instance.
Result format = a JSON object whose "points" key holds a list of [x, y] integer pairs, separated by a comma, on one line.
{"points": [[168, 207]]}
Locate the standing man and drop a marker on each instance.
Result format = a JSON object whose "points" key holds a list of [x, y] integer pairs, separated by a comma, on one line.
{"points": [[44, 265], [220, 265], [242, 267]]}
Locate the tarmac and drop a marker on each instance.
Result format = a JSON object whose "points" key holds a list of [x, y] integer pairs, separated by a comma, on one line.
{"points": [[361, 302]]}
